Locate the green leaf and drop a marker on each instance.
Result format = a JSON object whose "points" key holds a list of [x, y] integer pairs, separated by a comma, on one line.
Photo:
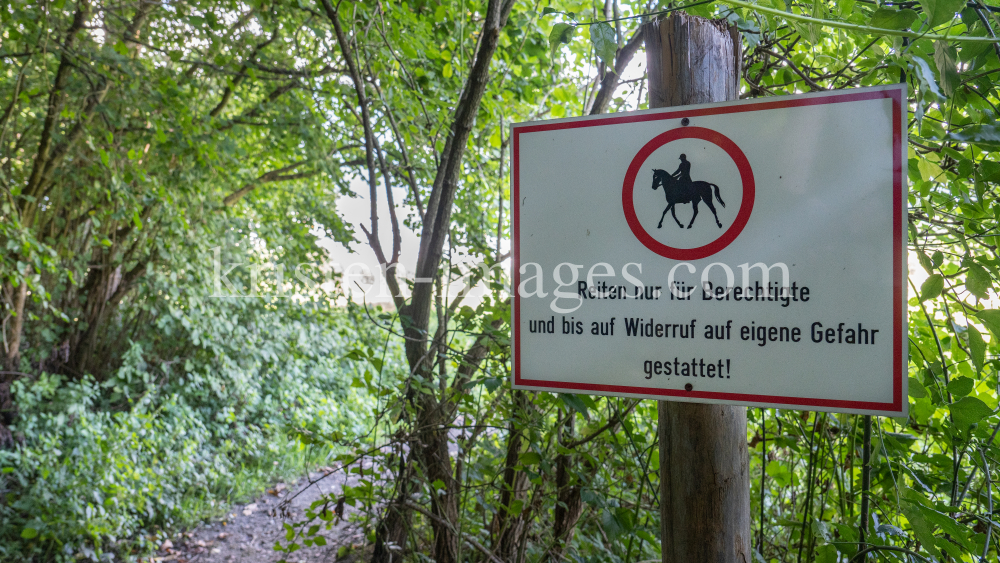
{"points": [[136, 220], [611, 525], [926, 77], [625, 518], [965, 168], [941, 11], [949, 551], [948, 525], [104, 156], [978, 348], [925, 261], [779, 472], [848, 537], [447, 71], [969, 18], [29, 533], [932, 287], [922, 529], [576, 403], [825, 554], [972, 50], [602, 37], [978, 281], [961, 386], [561, 33], [968, 411], [887, 18], [987, 135], [991, 318], [916, 389], [530, 458], [588, 400], [989, 171], [944, 59]]}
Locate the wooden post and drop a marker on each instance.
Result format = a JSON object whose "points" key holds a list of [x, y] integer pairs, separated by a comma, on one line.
{"points": [[704, 463]]}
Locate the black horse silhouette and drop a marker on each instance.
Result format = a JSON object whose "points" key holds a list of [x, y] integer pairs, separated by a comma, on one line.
{"points": [[683, 192]]}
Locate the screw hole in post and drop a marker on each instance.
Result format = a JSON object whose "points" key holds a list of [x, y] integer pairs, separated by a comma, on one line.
{"points": [[685, 122], [689, 387]]}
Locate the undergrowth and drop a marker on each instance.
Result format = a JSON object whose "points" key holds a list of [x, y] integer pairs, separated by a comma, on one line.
{"points": [[105, 468]]}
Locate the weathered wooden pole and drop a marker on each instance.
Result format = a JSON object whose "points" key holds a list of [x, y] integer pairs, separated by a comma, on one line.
{"points": [[704, 463]]}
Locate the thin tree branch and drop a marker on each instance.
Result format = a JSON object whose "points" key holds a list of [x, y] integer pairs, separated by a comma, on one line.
{"points": [[436, 220], [611, 79], [227, 94], [472, 541], [615, 420], [277, 175], [359, 89], [56, 96], [256, 111]]}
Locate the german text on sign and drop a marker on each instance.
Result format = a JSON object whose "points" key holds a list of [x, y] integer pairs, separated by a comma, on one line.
{"points": [[746, 252]]}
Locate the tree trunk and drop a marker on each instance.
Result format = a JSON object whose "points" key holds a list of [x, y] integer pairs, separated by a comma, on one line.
{"points": [[704, 463], [507, 527], [12, 362], [392, 529], [432, 417], [569, 503], [436, 461], [19, 296]]}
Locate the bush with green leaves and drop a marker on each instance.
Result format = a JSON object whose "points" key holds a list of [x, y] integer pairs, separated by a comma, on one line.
{"points": [[104, 464]]}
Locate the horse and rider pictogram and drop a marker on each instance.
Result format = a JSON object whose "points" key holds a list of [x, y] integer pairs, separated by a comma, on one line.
{"points": [[679, 188], [728, 166]]}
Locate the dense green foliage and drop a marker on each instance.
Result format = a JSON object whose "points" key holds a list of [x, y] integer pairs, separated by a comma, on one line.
{"points": [[141, 400], [165, 440], [143, 146]]}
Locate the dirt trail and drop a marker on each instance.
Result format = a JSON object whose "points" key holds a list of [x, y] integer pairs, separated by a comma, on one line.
{"points": [[248, 533]]}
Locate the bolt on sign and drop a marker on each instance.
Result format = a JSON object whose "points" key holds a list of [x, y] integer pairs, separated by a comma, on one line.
{"points": [[749, 252]]}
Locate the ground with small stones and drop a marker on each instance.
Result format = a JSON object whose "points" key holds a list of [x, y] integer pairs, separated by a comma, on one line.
{"points": [[249, 532]]}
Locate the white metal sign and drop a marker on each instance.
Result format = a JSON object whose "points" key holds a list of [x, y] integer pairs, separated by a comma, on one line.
{"points": [[748, 252]]}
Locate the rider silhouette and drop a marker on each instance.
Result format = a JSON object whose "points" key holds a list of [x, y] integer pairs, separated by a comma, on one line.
{"points": [[683, 173]]}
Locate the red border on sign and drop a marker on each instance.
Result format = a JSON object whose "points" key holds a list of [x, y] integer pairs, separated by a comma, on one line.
{"points": [[899, 259], [734, 230]]}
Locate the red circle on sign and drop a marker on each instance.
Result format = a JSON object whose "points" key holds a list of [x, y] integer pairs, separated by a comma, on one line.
{"points": [[734, 230]]}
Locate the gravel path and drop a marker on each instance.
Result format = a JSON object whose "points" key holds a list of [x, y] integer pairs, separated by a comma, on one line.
{"points": [[248, 533]]}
